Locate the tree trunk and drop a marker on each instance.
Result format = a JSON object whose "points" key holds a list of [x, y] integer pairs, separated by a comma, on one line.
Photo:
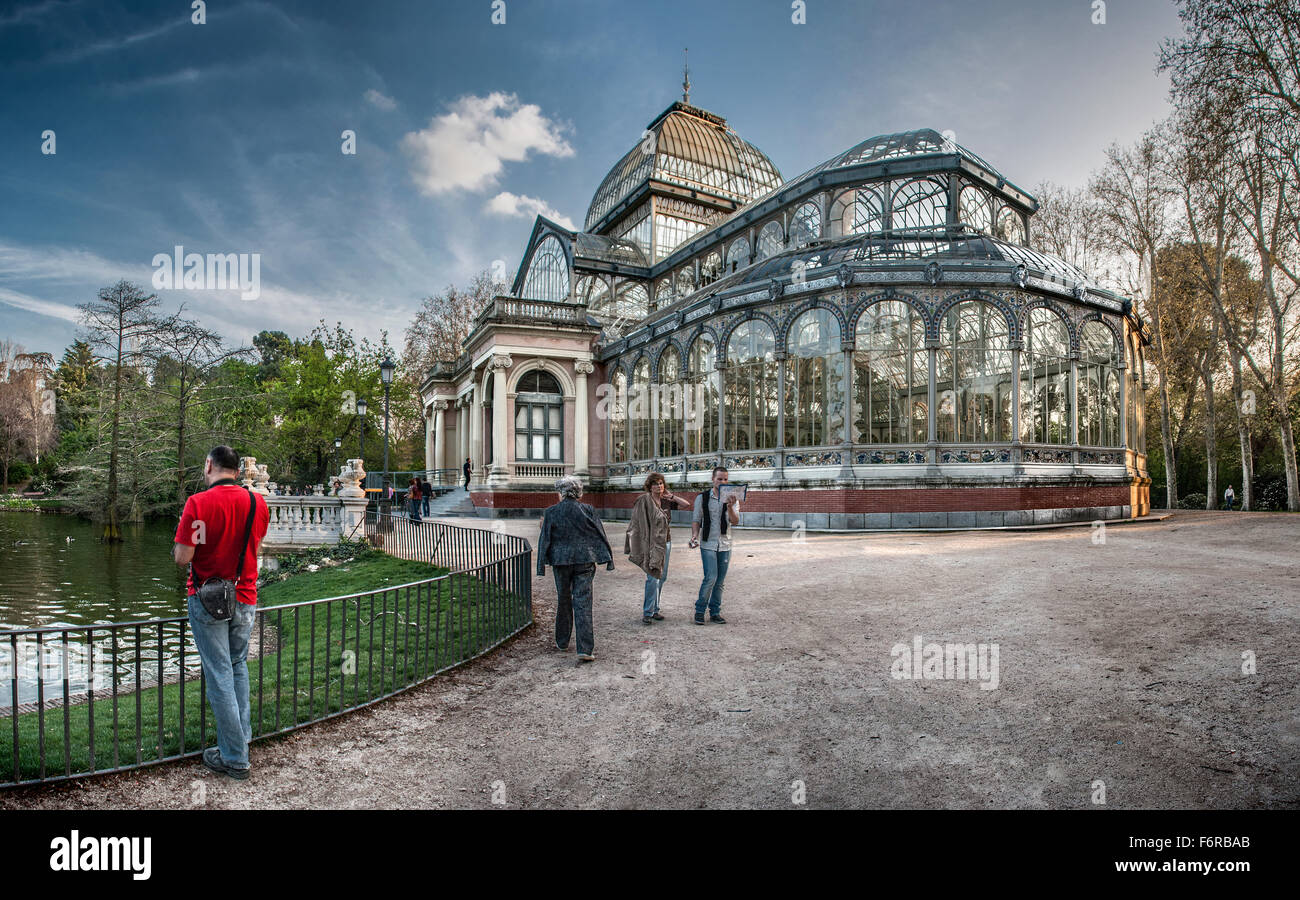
{"points": [[1211, 444], [112, 531], [1167, 439], [1288, 459], [1243, 438]]}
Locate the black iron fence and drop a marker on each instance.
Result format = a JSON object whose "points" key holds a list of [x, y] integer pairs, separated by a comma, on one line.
{"points": [[105, 698]]}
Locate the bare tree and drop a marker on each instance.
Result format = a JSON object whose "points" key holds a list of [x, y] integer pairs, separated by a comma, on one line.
{"points": [[443, 322], [186, 357], [1136, 201], [1236, 71], [118, 325]]}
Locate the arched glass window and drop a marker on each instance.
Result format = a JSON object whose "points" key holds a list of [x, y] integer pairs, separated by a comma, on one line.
{"points": [[770, 240], [670, 404], [814, 381], [891, 376], [976, 209], [974, 375], [1098, 386], [710, 268], [920, 203], [857, 211], [640, 412], [750, 389], [631, 300], [806, 225], [701, 404], [684, 281], [618, 419], [539, 418], [1010, 226], [1045, 380], [738, 254], [548, 272]]}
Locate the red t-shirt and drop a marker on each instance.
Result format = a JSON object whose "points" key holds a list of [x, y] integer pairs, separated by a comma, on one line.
{"points": [[222, 511]]}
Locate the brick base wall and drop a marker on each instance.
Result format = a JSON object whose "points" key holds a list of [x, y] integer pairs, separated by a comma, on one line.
{"points": [[851, 507]]}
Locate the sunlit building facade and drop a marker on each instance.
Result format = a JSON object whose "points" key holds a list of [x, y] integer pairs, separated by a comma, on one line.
{"points": [[871, 344]]}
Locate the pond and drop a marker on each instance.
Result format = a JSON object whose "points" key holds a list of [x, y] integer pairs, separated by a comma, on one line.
{"points": [[55, 572]]}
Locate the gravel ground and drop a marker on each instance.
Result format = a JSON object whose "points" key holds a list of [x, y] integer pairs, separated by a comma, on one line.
{"points": [[1118, 661]]}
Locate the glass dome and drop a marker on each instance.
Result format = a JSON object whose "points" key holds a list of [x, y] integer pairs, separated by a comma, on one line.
{"points": [[691, 148]]}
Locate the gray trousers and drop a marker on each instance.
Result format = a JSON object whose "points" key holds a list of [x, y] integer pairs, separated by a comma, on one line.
{"points": [[573, 606]]}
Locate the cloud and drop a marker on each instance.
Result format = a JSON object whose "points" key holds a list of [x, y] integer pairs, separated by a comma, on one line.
{"points": [[38, 306], [376, 99], [467, 148], [508, 204]]}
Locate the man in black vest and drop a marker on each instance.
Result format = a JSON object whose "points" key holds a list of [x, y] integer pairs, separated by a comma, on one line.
{"points": [[709, 526]]}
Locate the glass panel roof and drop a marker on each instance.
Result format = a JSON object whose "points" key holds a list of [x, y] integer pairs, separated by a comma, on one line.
{"points": [[694, 149]]}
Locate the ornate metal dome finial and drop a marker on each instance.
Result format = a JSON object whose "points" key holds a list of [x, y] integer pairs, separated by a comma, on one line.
{"points": [[686, 77]]}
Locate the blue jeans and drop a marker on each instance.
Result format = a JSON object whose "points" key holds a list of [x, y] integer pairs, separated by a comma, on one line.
{"points": [[715, 575], [223, 650], [415, 510], [653, 586], [425, 503], [573, 605]]}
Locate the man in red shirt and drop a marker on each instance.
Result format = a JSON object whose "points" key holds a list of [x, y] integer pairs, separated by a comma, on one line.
{"points": [[209, 540]]}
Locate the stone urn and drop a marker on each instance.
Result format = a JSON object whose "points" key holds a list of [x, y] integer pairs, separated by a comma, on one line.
{"points": [[262, 481], [248, 470], [351, 477]]}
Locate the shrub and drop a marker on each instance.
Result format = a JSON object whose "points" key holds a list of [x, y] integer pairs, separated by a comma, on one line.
{"points": [[1192, 501], [1271, 493]]}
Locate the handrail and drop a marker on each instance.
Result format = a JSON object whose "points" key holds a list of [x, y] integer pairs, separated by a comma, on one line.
{"points": [[120, 691]]}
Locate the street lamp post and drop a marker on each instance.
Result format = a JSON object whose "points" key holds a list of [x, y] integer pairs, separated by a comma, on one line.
{"points": [[338, 442], [361, 411], [386, 369]]}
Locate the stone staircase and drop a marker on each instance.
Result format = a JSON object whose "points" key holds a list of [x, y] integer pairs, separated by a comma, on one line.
{"points": [[452, 504]]}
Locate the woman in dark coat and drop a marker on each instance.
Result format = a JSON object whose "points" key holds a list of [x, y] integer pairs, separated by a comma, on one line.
{"points": [[572, 542]]}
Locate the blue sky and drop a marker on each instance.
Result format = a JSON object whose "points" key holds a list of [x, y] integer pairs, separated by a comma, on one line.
{"points": [[225, 137]]}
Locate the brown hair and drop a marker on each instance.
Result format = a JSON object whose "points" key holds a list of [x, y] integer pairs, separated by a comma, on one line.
{"points": [[651, 479]]}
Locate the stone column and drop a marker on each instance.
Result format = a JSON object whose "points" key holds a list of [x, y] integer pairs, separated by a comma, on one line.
{"points": [[439, 434], [500, 472], [721, 370], [847, 411], [581, 447], [475, 425], [462, 437]]}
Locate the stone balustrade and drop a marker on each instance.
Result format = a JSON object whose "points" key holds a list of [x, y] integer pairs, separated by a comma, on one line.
{"points": [[320, 520]]}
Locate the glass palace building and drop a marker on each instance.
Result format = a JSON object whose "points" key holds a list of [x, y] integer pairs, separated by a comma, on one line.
{"points": [[872, 344]]}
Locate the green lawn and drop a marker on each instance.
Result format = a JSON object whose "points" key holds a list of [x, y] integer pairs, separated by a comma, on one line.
{"points": [[321, 658]]}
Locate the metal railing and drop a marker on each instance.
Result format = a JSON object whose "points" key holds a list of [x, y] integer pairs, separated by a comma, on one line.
{"points": [[107, 698]]}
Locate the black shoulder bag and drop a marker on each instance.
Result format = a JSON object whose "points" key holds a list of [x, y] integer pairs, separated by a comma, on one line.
{"points": [[218, 594]]}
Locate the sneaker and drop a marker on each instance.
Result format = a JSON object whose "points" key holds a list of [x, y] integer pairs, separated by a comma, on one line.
{"points": [[699, 618], [646, 620], [718, 619], [212, 759], [586, 657], [657, 617]]}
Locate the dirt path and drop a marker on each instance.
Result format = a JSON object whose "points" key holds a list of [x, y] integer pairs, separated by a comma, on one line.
{"points": [[1119, 662]]}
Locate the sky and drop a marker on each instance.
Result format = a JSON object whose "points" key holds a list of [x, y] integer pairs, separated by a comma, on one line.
{"points": [[227, 136]]}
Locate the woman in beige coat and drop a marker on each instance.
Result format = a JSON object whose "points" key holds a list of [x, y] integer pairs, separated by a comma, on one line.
{"points": [[649, 539]]}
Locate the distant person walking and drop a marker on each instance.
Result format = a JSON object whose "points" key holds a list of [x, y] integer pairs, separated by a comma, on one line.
{"points": [[426, 492], [1229, 498], [467, 469], [413, 499], [572, 542], [220, 532], [649, 540], [709, 526]]}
